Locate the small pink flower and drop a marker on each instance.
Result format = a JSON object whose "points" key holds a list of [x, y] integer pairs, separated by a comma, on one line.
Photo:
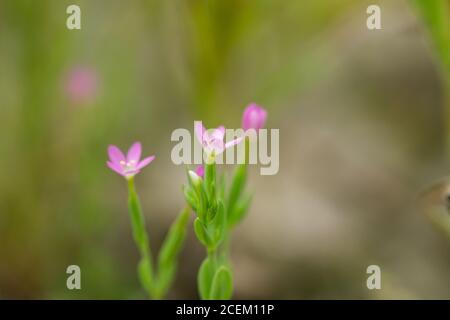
{"points": [[81, 85], [130, 165], [254, 117], [200, 171], [213, 142]]}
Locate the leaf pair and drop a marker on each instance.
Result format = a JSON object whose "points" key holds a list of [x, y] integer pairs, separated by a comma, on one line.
{"points": [[214, 283], [211, 233]]}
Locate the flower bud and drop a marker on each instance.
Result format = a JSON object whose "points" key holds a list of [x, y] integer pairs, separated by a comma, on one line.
{"points": [[254, 117], [200, 171], [195, 179]]}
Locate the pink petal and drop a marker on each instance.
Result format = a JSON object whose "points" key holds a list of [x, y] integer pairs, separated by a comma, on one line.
{"points": [[260, 119], [217, 145], [254, 117], [145, 162], [131, 172], [218, 133], [115, 155], [200, 131], [200, 171], [233, 142], [134, 153], [115, 168]]}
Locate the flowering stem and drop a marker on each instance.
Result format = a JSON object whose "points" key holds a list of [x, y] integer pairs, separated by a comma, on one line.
{"points": [[214, 278], [145, 267]]}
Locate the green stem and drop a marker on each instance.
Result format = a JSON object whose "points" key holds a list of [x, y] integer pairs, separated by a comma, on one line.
{"points": [[145, 267], [212, 256], [225, 247]]}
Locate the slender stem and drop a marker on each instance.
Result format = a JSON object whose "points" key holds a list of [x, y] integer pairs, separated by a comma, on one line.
{"points": [[212, 255], [145, 267], [225, 247]]}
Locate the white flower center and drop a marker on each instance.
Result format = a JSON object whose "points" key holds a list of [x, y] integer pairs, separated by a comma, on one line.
{"points": [[128, 165]]}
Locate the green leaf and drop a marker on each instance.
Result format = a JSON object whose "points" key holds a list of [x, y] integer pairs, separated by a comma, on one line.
{"points": [[212, 211], [221, 186], [174, 240], [436, 14], [222, 284], [201, 232], [164, 280], [191, 197], [196, 197], [145, 266], [219, 223], [237, 186], [210, 180], [137, 220], [239, 211], [145, 276], [204, 278], [167, 258]]}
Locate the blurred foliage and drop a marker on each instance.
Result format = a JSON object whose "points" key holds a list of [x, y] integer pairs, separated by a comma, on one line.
{"points": [[436, 14]]}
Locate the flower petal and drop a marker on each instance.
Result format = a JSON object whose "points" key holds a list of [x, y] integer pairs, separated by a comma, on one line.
{"points": [[200, 131], [254, 117], [115, 167], [200, 171], [262, 118], [145, 162], [233, 142], [134, 153], [217, 145], [218, 133], [115, 155]]}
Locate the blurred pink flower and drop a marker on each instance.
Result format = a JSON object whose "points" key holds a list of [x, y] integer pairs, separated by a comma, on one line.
{"points": [[130, 165], [200, 171], [81, 84], [213, 142], [254, 117]]}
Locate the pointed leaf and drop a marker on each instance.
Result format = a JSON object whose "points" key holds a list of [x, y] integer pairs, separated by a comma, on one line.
{"points": [[204, 279], [201, 233], [174, 240], [222, 284], [190, 197], [239, 211], [237, 186]]}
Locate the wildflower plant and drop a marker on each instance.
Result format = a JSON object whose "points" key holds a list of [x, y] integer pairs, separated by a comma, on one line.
{"points": [[219, 209], [155, 279]]}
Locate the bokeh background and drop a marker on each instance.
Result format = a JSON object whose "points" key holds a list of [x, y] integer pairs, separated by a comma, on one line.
{"points": [[361, 118]]}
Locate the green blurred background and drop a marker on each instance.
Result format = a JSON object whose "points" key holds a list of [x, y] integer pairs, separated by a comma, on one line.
{"points": [[361, 124]]}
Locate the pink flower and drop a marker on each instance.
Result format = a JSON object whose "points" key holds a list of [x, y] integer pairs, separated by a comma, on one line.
{"points": [[200, 171], [213, 142], [254, 117], [81, 84], [130, 165]]}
